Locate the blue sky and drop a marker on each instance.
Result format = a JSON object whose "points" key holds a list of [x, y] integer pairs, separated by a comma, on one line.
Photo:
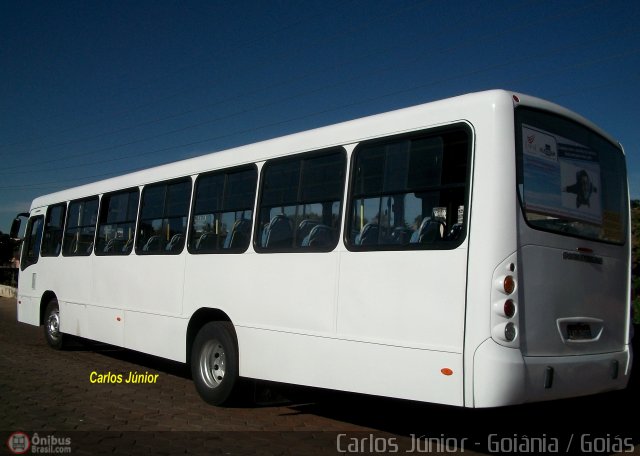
{"points": [[93, 89]]}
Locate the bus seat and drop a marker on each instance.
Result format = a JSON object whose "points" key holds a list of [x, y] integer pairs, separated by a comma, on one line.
{"points": [[430, 231], [401, 236], [278, 232], [319, 236], [206, 241], [455, 232], [176, 243], [128, 246], [369, 234], [239, 235], [152, 244], [110, 247], [304, 229]]}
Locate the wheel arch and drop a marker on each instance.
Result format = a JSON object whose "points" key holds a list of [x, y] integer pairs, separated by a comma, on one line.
{"points": [[47, 296], [201, 317]]}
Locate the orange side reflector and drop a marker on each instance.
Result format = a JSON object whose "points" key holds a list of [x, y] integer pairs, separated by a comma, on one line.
{"points": [[446, 371]]}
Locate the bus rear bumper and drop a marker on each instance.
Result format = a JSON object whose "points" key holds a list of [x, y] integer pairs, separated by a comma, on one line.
{"points": [[502, 376]]}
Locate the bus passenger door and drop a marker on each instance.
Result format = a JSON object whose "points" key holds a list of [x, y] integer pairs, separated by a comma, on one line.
{"points": [[29, 291]]}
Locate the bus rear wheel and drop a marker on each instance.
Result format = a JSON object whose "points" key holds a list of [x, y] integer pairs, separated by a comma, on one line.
{"points": [[214, 362], [52, 333]]}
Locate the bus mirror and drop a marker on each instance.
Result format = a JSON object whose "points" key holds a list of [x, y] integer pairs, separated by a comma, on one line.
{"points": [[15, 226]]}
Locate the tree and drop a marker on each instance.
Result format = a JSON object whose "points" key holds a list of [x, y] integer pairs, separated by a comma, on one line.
{"points": [[6, 248]]}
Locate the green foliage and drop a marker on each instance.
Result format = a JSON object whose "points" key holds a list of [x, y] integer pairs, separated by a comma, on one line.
{"points": [[6, 249]]}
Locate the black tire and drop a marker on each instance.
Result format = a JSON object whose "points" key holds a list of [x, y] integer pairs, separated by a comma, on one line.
{"points": [[52, 333], [214, 362]]}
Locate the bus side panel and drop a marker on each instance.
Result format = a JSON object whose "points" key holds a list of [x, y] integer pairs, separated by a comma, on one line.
{"points": [[156, 335], [28, 309], [74, 320], [411, 299], [349, 365], [70, 278], [406, 310], [145, 283], [106, 325], [290, 292]]}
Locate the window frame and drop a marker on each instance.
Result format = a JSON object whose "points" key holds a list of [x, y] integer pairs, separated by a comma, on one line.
{"points": [[95, 226], [25, 259], [139, 250], [135, 221], [462, 126], [192, 214], [64, 205], [257, 231]]}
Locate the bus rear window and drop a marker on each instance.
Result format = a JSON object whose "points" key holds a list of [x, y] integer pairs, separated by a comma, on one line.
{"points": [[571, 180]]}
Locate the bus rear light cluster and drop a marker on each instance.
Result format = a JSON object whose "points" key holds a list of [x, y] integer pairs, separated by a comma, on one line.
{"points": [[504, 321]]}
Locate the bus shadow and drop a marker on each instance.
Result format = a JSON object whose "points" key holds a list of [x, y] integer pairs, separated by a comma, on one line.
{"points": [[580, 425], [600, 422], [604, 423], [130, 356]]}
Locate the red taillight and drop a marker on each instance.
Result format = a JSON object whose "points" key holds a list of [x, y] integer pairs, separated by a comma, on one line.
{"points": [[509, 308]]}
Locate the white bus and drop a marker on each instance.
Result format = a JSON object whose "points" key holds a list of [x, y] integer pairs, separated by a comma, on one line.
{"points": [[473, 251]]}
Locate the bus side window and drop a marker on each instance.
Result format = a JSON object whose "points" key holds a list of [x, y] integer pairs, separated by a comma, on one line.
{"points": [[53, 230], [223, 210], [32, 240], [409, 192], [164, 210], [301, 202], [117, 222], [82, 216]]}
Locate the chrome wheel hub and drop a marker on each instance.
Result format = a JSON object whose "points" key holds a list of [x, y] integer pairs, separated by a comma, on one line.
{"points": [[213, 363], [53, 324]]}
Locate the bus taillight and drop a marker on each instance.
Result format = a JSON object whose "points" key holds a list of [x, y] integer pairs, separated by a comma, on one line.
{"points": [[510, 331], [509, 308], [509, 284], [505, 332], [504, 303]]}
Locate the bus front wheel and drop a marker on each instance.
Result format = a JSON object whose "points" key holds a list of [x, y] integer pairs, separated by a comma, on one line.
{"points": [[52, 333], [214, 362]]}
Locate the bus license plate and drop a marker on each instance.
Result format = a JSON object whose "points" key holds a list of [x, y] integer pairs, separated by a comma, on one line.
{"points": [[579, 331]]}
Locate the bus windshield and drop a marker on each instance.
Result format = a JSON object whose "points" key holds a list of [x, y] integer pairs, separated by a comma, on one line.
{"points": [[571, 180]]}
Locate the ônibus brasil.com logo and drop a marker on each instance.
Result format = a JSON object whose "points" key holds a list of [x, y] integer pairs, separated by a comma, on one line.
{"points": [[18, 443]]}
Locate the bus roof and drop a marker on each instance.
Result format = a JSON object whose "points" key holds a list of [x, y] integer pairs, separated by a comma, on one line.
{"points": [[463, 107]]}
